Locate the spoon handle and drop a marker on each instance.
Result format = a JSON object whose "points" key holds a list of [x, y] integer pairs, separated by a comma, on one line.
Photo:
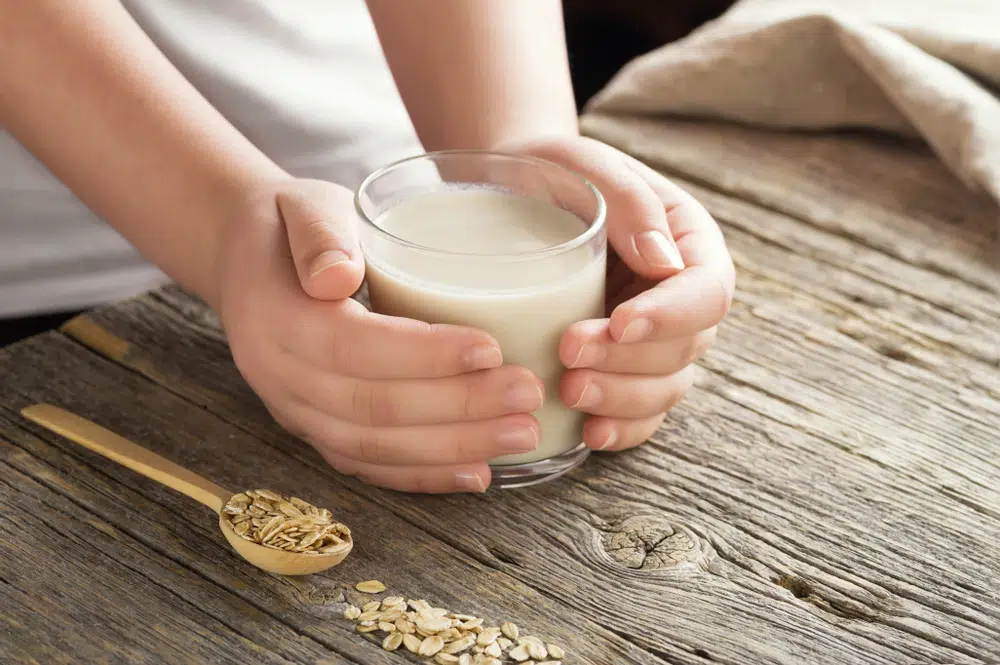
{"points": [[93, 436]]}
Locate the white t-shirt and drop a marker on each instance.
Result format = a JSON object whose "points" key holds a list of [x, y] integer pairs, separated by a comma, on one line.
{"points": [[305, 80]]}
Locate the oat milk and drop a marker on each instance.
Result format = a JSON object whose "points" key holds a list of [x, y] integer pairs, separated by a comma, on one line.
{"points": [[525, 304]]}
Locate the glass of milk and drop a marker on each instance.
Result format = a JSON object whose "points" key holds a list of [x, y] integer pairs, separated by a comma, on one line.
{"points": [[509, 244]]}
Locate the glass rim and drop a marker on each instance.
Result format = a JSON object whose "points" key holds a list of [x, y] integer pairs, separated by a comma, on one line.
{"points": [[595, 226]]}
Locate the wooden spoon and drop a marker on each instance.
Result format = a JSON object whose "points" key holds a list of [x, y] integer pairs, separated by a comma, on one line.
{"points": [[93, 436]]}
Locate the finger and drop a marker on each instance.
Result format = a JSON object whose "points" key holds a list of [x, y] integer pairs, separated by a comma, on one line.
{"points": [[473, 478], [421, 445], [686, 214], [609, 434], [692, 301], [589, 344], [695, 299], [321, 225], [400, 402], [346, 338], [623, 395], [637, 223]]}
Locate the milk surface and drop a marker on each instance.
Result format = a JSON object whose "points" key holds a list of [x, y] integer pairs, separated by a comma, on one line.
{"points": [[526, 303]]}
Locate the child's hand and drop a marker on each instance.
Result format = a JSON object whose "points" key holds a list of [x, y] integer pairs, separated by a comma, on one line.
{"points": [[399, 403], [670, 282]]}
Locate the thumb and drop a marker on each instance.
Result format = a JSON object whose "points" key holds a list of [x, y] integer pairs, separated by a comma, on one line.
{"points": [[322, 233]]}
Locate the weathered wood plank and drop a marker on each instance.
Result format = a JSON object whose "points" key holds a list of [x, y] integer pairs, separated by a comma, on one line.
{"points": [[828, 494], [920, 302], [740, 513], [890, 196], [840, 326], [68, 566], [882, 403], [179, 548], [57, 498]]}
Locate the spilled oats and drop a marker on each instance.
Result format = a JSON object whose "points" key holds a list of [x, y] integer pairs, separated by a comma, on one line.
{"points": [[443, 637]]}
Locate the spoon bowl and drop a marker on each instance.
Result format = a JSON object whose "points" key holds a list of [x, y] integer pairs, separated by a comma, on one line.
{"points": [[100, 440], [279, 561]]}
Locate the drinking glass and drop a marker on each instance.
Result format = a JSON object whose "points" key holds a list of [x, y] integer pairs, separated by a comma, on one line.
{"points": [[525, 296]]}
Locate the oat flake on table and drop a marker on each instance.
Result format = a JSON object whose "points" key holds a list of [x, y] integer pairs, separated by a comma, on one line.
{"points": [[443, 637]]}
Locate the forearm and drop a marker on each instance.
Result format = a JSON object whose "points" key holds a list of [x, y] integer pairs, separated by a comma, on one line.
{"points": [[477, 73], [85, 90]]}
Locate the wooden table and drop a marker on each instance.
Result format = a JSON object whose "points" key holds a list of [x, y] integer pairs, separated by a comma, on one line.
{"points": [[827, 494]]}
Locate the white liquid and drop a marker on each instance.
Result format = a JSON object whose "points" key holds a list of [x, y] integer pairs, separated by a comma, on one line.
{"points": [[525, 304]]}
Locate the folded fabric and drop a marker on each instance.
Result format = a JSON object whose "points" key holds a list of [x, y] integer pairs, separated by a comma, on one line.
{"points": [[917, 68]]}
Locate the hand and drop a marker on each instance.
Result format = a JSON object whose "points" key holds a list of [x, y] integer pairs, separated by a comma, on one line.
{"points": [[396, 402], [670, 282]]}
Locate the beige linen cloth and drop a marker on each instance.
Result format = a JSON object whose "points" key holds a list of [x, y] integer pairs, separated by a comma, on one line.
{"points": [[928, 69]]}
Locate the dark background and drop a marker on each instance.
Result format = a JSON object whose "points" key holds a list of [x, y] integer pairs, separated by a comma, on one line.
{"points": [[603, 35]]}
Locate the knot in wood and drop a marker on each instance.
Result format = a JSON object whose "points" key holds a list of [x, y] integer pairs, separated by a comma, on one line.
{"points": [[646, 542]]}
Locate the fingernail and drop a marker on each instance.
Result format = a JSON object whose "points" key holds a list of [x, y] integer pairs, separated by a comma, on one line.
{"points": [[482, 357], [636, 331], [610, 441], [523, 396], [327, 260], [658, 250], [591, 396], [589, 355], [470, 482], [519, 440]]}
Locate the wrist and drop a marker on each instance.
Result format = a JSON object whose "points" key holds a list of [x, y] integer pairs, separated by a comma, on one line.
{"points": [[557, 126]]}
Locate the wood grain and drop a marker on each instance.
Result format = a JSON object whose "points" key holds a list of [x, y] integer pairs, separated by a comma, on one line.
{"points": [[132, 616], [175, 542], [833, 500], [875, 192], [741, 499], [826, 495]]}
